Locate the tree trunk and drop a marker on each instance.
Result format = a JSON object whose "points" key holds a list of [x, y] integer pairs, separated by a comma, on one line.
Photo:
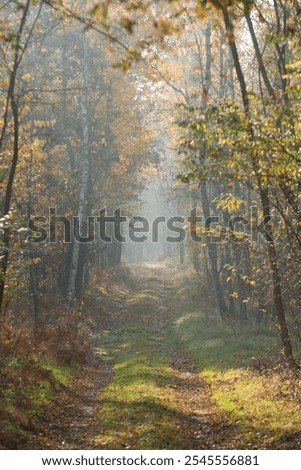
{"points": [[262, 68], [11, 98], [264, 194], [277, 289], [8, 196], [212, 253], [81, 212]]}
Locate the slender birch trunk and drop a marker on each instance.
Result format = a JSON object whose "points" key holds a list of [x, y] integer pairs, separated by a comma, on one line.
{"points": [[84, 183]]}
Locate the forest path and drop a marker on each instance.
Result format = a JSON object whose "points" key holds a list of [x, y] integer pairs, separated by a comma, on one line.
{"points": [[144, 393], [157, 398]]}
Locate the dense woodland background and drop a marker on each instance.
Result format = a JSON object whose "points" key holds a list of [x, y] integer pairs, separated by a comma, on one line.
{"points": [[155, 108]]}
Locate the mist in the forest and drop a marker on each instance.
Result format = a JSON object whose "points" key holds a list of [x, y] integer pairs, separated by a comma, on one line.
{"points": [[150, 225]]}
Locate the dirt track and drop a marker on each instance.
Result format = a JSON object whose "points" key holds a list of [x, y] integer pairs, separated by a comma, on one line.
{"points": [[73, 420]]}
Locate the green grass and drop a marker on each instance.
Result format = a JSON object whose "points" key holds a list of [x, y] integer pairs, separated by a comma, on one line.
{"points": [[42, 394], [61, 372], [216, 346], [44, 390], [228, 405], [11, 431], [263, 404], [136, 396], [38, 387]]}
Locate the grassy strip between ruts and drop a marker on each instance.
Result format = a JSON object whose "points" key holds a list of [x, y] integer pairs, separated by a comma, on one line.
{"points": [[265, 402], [137, 410]]}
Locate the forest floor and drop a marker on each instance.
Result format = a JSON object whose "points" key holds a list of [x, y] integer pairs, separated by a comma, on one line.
{"points": [[158, 382]]}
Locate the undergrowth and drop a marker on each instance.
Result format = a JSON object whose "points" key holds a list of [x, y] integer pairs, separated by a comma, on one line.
{"points": [[34, 364], [36, 360]]}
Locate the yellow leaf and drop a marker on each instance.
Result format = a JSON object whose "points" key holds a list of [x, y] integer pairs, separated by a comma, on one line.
{"points": [[234, 295], [200, 12]]}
